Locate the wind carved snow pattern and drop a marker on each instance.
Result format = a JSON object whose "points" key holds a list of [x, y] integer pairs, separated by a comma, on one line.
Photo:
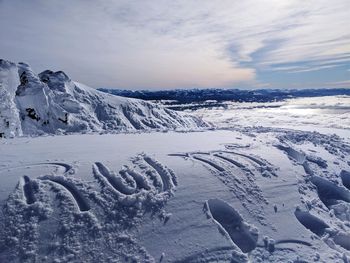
{"points": [[234, 169], [238, 172], [88, 216], [97, 216]]}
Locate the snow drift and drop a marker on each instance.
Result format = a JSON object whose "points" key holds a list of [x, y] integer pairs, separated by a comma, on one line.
{"points": [[51, 103]]}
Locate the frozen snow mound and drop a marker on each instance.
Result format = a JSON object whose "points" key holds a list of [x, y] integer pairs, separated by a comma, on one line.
{"points": [[51, 103]]}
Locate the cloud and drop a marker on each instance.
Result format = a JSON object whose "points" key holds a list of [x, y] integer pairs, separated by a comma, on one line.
{"points": [[175, 44], [339, 84]]}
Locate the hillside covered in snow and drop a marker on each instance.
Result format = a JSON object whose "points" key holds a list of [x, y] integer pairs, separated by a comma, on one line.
{"points": [[51, 103]]}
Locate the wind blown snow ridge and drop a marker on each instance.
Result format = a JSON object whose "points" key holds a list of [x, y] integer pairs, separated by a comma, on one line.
{"points": [[51, 103]]}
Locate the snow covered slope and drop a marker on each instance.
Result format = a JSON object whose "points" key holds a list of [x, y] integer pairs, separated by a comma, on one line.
{"points": [[51, 103]]}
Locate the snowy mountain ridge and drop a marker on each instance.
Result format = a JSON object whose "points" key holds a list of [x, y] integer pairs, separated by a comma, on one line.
{"points": [[51, 103]]}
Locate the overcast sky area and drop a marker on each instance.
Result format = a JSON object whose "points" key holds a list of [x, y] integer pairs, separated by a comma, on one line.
{"points": [[182, 44]]}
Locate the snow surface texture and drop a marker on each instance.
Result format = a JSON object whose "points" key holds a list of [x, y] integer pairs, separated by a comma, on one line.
{"points": [[51, 103], [250, 195], [74, 217]]}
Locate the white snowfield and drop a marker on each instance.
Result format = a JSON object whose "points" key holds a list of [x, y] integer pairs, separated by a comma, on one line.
{"points": [[51, 103], [243, 194], [329, 112]]}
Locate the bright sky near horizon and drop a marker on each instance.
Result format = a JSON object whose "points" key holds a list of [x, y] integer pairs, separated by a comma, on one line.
{"points": [[163, 44]]}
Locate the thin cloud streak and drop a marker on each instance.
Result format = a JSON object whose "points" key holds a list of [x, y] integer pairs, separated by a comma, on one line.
{"points": [[177, 44]]}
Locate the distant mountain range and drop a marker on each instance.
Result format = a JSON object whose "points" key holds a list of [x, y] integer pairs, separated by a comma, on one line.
{"points": [[187, 96], [51, 103]]}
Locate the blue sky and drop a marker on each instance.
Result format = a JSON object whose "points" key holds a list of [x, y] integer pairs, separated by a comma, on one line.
{"points": [[182, 44]]}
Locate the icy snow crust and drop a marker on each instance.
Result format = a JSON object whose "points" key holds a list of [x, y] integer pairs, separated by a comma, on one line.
{"points": [[245, 195], [51, 103]]}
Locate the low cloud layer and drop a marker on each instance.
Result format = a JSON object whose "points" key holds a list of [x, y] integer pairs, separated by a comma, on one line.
{"points": [[182, 44]]}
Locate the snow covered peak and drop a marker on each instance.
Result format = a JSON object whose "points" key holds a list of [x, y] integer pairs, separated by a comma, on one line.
{"points": [[5, 64], [55, 80], [30, 82], [51, 103]]}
